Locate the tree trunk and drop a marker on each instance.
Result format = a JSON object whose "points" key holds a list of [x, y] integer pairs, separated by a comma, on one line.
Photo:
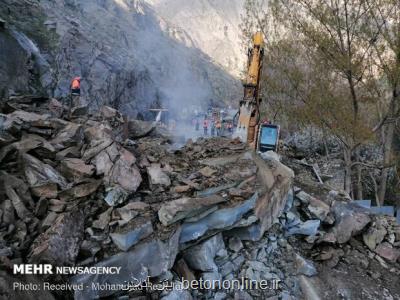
{"points": [[324, 138], [359, 183], [359, 179], [387, 142], [375, 189], [347, 170]]}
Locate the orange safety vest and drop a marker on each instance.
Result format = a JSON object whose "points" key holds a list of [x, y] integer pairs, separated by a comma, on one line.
{"points": [[76, 84]]}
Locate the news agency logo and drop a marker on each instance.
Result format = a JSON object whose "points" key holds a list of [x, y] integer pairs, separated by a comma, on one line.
{"points": [[33, 269], [49, 269]]}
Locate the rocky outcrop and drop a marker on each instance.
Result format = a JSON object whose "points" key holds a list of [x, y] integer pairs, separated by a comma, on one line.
{"points": [[220, 40], [119, 48]]}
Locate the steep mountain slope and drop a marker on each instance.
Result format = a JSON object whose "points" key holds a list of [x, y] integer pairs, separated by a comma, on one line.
{"points": [[213, 25], [128, 56]]}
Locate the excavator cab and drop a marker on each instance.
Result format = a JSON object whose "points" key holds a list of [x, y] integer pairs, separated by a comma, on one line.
{"points": [[268, 138]]}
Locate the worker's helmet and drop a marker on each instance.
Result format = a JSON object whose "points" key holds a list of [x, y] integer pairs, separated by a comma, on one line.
{"points": [[77, 78]]}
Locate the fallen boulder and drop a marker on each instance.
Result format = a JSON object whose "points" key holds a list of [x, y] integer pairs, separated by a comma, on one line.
{"points": [[95, 147], [126, 240], [75, 169], [222, 219], [125, 173], [59, 245], [24, 118], [38, 173], [207, 171], [28, 142], [138, 129], [387, 251], [276, 179], [70, 135], [56, 108], [350, 218], [179, 209], [115, 195], [48, 190], [235, 244], [104, 161], [201, 256], [314, 207], [151, 259], [374, 236], [309, 228], [22, 212], [80, 191], [157, 176], [103, 219], [79, 111]]}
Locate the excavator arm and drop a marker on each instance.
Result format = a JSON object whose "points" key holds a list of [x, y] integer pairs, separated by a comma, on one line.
{"points": [[249, 110]]}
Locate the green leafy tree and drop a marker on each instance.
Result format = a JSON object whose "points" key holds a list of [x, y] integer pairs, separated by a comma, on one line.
{"points": [[322, 64]]}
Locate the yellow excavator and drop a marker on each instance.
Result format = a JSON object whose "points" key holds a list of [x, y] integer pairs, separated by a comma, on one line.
{"points": [[260, 136]]}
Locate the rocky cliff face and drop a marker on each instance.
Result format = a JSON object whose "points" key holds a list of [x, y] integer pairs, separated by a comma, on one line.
{"points": [[213, 26], [129, 57]]}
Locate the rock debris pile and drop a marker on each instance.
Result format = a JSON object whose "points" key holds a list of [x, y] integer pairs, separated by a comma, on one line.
{"points": [[355, 252], [76, 192], [92, 190]]}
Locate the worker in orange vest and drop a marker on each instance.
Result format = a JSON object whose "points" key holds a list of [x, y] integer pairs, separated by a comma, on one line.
{"points": [[76, 86], [75, 92]]}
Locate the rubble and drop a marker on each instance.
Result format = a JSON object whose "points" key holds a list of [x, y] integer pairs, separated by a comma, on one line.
{"points": [[222, 219], [80, 191], [59, 245], [126, 240], [103, 219], [38, 173], [235, 244], [350, 221], [305, 266], [182, 208], [158, 176], [115, 195], [75, 169], [387, 251], [201, 257], [308, 228], [180, 294], [70, 135], [146, 259], [8, 290], [21, 210], [75, 193], [315, 208], [125, 173], [374, 236], [139, 129]]}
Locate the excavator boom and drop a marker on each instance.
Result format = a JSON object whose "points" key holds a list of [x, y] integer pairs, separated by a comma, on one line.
{"points": [[249, 113]]}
